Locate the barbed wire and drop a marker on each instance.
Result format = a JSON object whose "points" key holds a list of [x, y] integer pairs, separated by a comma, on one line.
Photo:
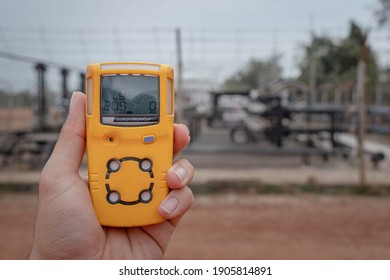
{"points": [[208, 53]]}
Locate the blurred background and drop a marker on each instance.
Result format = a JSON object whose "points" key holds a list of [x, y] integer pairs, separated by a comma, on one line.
{"points": [[288, 104]]}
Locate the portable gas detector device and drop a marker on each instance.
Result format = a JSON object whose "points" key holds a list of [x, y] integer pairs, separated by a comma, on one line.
{"points": [[129, 121]]}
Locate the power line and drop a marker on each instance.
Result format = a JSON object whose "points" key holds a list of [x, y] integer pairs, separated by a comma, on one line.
{"points": [[33, 60], [204, 49]]}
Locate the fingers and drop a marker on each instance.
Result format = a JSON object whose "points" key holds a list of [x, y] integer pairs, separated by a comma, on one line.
{"points": [[180, 198], [176, 203], [181, 138], [180, 174], [69, 150]]}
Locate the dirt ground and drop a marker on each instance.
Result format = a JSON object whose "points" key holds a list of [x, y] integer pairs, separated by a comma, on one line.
{"points": [[245, 226]]}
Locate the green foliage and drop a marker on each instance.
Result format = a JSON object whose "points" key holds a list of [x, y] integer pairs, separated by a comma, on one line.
{"points": [[256, 74], [336, 61], [383, 12]]}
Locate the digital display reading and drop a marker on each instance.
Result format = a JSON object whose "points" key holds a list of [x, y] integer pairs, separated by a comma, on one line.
{"points": [[129, 99]]}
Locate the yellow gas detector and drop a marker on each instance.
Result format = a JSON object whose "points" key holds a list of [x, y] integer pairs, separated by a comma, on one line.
{"points": [[129, 121]]}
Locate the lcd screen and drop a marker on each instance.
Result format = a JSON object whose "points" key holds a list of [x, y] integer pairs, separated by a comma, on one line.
{"points": [[129, 99]]}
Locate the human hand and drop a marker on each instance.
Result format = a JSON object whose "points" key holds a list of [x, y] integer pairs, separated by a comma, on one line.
{"points": [[66, 225]]}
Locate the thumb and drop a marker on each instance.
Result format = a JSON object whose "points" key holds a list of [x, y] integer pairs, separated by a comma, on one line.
{"points": [[69, 149]]}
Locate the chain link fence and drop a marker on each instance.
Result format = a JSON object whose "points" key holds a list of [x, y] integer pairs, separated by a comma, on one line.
{"points": [[237, 136]]}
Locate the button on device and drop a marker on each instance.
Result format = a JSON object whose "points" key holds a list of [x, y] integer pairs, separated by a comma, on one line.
{"points": [[145, 196], [114, 165], [113, 197], [148, 139], [145, 165]]}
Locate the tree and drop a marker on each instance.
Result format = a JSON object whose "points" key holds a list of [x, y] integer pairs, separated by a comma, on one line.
{"points": [[383, 12], [336, 61], [256, 74]]}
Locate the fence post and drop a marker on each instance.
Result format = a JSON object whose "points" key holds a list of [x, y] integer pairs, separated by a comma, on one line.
{"points": [[361, 75], [42, 106], [179, 80]]}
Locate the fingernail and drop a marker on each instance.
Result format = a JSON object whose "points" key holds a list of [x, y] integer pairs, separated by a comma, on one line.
{"points": [[170, 205], [186, 128], [72, 100], [181, 172]]}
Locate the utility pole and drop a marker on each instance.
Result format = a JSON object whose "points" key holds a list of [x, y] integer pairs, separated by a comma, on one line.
{"points": [[312, 72], [64, 74], [82, 81], [312, 75], [361, 80], [312, 67], [42, 106]]}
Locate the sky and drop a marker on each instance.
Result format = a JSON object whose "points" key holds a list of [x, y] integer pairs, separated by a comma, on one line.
{"points": [[185, 13], [218, 35]]}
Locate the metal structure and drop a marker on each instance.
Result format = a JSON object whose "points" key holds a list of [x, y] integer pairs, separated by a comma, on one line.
{"points": [[26, 149], [31, 148], [253, 119]]}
